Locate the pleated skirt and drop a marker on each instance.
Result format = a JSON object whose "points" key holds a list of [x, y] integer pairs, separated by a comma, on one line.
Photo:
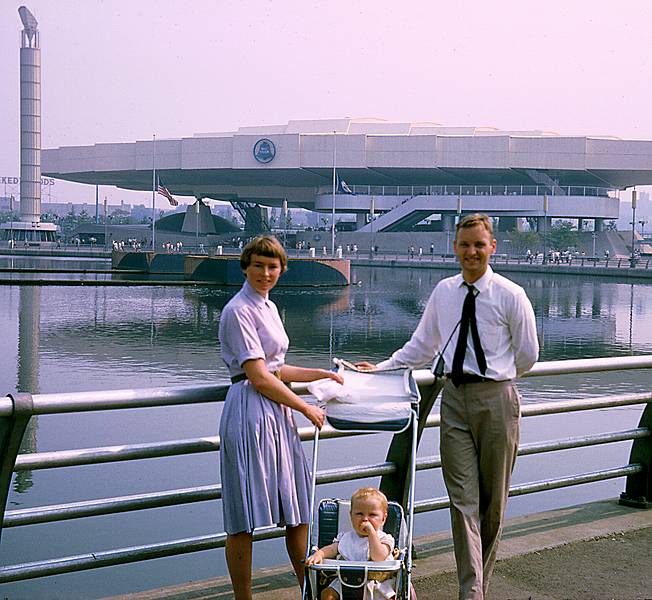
{"points": [[265, 474]]}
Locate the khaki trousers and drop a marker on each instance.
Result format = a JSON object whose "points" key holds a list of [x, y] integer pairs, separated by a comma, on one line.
{"points": [[479, 440]]}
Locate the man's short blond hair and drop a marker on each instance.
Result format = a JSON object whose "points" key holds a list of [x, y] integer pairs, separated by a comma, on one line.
{"points": [[476, 219], [370, 492]]}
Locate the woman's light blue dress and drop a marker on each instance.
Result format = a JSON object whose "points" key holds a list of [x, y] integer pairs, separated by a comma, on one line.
{"points": [[265, 474]]}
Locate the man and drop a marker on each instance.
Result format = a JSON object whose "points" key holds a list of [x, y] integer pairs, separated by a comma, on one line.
{"points": [[483, 326]]}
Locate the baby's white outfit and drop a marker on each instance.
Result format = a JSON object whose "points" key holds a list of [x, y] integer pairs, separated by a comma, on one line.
{"points": [[351, 546]]}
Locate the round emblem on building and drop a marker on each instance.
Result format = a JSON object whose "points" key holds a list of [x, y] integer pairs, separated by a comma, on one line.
{"points": [[264, 150]]}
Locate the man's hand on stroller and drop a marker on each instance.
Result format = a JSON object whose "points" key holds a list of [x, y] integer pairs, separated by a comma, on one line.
{"points": [[365, 366]]}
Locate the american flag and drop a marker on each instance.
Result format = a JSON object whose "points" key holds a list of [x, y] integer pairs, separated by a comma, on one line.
{"points": [[161, 189]]}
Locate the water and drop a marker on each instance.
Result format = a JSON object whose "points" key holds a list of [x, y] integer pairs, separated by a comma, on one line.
{"points": [[59, 339]]}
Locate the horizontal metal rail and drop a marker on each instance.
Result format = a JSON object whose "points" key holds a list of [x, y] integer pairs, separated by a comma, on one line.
{"points": [[108, 454], [477, 190], [108, 506], [82, 562], [166, 396], [433, 504], [120, 504], [48, 404]]}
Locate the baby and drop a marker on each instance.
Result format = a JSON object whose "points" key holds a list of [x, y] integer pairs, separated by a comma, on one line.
{"points": [[367, 541]]}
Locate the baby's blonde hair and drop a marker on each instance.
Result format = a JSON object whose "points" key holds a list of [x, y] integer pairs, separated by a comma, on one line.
{"points": [[370, 492]]}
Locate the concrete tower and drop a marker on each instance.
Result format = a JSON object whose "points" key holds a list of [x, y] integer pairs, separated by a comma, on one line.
{"points": [[30, 118], [30, 230]]}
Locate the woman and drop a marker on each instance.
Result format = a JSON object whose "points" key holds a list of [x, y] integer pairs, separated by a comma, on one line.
{"points": [[265, 475]]}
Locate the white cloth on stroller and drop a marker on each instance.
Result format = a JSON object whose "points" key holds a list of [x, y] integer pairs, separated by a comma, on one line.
{"points": [[365, 397]]}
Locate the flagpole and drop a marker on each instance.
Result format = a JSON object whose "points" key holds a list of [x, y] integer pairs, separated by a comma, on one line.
{"points": [[154, 193], [333, 206]]}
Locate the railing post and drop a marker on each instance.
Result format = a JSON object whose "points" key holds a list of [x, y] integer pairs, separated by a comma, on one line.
{"points": [[638, 489], [12, 429], [396, 485]]}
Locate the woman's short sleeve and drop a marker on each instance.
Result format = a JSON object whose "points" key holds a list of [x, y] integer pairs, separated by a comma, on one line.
{"points": [[240, 334]]}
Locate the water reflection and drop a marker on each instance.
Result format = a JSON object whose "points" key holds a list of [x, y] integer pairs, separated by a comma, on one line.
{"points": [[576, 316], [29, 330], [166, 330]]}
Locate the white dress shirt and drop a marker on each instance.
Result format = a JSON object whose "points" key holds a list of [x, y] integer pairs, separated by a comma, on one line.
{"points": [[506, 325]]}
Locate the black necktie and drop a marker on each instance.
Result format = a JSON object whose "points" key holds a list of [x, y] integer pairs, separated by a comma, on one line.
{"points": [[468, 318]]}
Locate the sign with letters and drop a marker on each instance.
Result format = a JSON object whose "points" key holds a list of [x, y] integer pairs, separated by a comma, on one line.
{"points": [[16, 180]]}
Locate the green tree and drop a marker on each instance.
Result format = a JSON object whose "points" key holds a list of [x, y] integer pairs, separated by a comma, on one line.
{"points": [[70, 220], [562, 235], [9, 216], [522, 240]]}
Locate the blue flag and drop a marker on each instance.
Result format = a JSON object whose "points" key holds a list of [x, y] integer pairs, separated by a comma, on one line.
{"points": [[343, 187]]}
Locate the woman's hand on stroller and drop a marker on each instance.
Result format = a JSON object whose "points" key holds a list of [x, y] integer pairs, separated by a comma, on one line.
{"points": [[335, 377], [314, 414]]}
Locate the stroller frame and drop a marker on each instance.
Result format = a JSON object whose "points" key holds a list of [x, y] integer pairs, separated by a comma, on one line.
{"points": [[403, 572]]}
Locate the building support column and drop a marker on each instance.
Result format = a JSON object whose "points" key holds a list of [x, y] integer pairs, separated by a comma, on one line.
{"points": [[448, 222], [598, 224], [543, 223], [508, 224]]}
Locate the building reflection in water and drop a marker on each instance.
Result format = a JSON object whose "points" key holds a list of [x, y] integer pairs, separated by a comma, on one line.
{"points": [[577, 317], [29, 334], [631, 314]]}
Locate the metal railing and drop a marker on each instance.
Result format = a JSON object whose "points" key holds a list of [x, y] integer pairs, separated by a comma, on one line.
{"points": [[475, 190], [587, 262], [16, 410]]}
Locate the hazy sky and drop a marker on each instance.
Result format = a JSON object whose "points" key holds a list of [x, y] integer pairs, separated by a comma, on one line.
{"points": [[118, 70]]}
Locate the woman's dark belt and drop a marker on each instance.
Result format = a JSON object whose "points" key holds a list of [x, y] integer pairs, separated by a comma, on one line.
{"points": [[243, 376]]}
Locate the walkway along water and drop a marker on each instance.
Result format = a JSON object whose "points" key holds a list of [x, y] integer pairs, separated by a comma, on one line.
{"points": [[173, 272], [16, 411]]}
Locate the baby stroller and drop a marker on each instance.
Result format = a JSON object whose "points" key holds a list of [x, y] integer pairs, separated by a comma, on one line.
{"points": [[383, 401]]}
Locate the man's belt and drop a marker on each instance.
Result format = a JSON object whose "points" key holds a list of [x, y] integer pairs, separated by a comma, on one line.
{"points": [[472, 378], [242, 376]]}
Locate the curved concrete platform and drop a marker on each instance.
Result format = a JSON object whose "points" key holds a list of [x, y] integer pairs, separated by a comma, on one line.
{"points": [[300, 271], [225, 270]]}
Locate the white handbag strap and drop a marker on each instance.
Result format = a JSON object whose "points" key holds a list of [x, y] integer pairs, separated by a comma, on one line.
{"points": [[349, 585]]}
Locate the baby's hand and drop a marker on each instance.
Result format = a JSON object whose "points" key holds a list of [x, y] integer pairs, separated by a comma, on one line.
{"points": [[315, 559], [368, 529]]}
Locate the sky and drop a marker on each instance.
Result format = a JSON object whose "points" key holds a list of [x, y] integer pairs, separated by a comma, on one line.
{"points": [[120, 71]]}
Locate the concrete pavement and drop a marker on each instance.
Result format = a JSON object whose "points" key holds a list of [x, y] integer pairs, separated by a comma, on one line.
{"points": [[590, 551]]}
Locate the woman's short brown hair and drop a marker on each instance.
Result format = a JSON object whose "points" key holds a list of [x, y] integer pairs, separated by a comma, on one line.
{"points": [[263, 245]]}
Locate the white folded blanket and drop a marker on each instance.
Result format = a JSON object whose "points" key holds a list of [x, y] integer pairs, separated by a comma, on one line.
{"points": [[364, 397]]}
